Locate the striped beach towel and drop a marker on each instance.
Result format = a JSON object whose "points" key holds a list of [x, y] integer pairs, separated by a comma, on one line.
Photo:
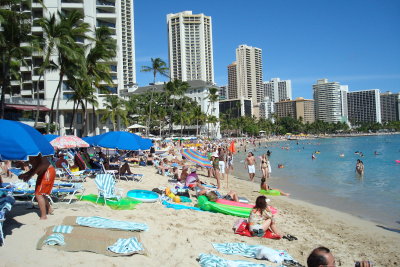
{"points": [[100, 222], [63, 229], [126, 246], [55, 239], [246, 250], [210, 260]]}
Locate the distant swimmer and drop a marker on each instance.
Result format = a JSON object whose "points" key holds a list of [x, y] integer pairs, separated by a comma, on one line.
{"points": [[313, 156], [360, 167], [376, 153], [341, 155], [281, 166]]}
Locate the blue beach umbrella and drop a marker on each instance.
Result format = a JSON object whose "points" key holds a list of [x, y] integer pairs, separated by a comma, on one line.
{"points": [[50, 137], [18, 141], [122, 140]]}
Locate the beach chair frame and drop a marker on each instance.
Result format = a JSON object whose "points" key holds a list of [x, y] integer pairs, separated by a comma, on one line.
{"points": [[106, 186]]}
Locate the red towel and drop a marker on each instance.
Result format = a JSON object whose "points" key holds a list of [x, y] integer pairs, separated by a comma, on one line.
{"points": [[243, 229]]}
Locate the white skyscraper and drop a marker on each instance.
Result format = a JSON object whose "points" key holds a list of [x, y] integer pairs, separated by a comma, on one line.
{"points": [[330, 101], [118, 16], [266, 108], [190, 46], [277, 89], [249, 73]]}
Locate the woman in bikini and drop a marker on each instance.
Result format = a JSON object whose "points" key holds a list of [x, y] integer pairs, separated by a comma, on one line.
{"points": [[261, 219], [264, 166]]}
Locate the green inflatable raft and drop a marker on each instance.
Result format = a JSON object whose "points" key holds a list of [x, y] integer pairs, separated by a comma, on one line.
{"points": [[270, 192], [205, 204]]}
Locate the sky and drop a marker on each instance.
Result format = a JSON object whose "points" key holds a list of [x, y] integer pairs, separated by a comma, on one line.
{"points": [[354, 42]]}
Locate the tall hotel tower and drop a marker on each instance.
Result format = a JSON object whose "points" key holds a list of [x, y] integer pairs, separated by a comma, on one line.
{"points": [[190, 47], [249, 73], [330, 101]]}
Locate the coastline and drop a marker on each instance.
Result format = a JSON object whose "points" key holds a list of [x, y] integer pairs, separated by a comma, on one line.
{"points": [[177, 237]]}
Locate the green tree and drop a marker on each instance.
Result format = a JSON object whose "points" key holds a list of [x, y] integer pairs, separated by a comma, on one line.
{"points": [[15, 31], [158, 66], [212, 99], [114, 111]]}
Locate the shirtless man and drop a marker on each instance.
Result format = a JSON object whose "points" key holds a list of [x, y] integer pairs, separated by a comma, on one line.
{"points": [[250, 164], [44, 183]]}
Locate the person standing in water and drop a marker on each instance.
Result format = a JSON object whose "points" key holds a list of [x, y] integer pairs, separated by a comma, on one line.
{"points": [[250, 164], [360, 167], [264, 166]]}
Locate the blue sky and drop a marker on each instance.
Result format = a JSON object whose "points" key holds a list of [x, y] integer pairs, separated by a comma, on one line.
{"points": [[354, 42]]}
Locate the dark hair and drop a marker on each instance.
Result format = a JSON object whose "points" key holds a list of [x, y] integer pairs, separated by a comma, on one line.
{"points": [[261, 204], [316, 258]]}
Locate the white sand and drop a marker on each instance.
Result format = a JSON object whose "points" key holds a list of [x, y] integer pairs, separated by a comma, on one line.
{"points": [[176, 238]]}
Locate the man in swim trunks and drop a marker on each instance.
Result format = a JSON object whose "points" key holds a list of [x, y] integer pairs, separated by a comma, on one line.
{"points": [[250, 164], [44, 183]]}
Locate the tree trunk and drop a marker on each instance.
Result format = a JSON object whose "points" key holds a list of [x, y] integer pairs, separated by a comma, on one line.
{"points": [[85, 119], [6, 81], [160, 128], [197, 127], [73, 115], [52, 103], [94, 120]]}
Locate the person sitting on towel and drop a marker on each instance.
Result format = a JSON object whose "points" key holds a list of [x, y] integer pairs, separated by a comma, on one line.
{"points": [[261, 218]]}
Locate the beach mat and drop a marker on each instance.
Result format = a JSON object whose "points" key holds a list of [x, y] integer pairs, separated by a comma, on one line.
{"points": [[90, 239], [125, 203]]}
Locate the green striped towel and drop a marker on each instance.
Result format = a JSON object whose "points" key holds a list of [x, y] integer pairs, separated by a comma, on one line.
{"points": [[55, 239], [63, 229], [210, 260], [100, 222], [126, 246]]}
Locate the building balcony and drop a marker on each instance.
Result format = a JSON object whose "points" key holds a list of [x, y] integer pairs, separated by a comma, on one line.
{"points": [[37, 29], [106, 16], [72, 5], [25, 68], [105, 3]]}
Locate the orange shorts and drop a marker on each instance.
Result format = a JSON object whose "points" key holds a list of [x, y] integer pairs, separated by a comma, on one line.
{"points": [[45, 183]]}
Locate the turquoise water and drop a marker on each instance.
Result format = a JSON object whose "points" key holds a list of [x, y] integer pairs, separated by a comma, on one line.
{"points": [[330, 180]]}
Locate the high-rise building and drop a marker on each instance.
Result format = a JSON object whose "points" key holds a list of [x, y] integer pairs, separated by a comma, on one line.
{"points": [[190, 47], [266, 108], [364, 106], [300, 109], [249, 73], [232, 81], [223, 92], [330, 101], [118, 16], [390, 106], [235, 108], [278, 90]]}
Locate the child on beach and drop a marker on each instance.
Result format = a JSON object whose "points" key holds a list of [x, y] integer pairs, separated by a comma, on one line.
{"points": [[261, 219]]}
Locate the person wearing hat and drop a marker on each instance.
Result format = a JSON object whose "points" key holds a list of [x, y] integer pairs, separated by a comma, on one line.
{"points": [[215, 164]]}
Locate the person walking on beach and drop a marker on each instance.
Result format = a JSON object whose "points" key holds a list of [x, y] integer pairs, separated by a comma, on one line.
{"points": [[264, 166], [250, 164], [44, 183], [215, 164], [221, 163]]}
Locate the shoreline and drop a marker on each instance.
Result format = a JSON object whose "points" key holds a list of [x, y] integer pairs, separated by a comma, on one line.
{"points": [[302, 193]]}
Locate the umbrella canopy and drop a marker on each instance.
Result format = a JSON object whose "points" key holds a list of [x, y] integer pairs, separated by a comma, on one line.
{"points": [[18, 141], [68, 141], [50, 137], [137, 126], [122, 140], [196, 157]]}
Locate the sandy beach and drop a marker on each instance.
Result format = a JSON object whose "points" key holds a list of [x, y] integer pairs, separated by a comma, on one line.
{"points": [[177, 237]]}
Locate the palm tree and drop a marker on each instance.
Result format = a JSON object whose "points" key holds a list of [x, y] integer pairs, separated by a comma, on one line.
{"points": [[212, 99], [62, 37], [158, 66], [114, 111], [175, 88], [15, 30], [198, 116]]}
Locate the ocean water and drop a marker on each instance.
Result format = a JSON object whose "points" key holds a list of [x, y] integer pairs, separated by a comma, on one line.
{"points": [[331, 180]]}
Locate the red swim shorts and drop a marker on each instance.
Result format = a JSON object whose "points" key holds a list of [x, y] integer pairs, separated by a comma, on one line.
{"points": [[45, 183]]}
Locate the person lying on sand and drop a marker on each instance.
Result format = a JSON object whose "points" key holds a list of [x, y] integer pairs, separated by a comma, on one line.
{"points": [[266, 187]]}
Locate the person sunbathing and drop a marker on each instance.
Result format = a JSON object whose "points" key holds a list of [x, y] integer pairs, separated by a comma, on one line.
{"points": [[261, 219], [266, 187]]}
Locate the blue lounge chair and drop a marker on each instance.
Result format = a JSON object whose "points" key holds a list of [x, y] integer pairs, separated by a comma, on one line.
{"points": [[74, 177]]}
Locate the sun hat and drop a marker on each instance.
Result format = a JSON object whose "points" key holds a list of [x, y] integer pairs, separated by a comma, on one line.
{"points": [[215, 154]]}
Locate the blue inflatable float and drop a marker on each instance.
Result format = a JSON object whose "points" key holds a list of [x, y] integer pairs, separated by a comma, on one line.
{"points": [[144, 196]]}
